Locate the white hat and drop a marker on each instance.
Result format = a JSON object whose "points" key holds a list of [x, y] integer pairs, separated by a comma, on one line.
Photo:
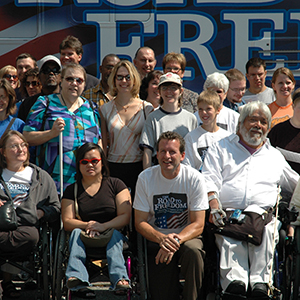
{"points": [[170, 77], [47, 58]]}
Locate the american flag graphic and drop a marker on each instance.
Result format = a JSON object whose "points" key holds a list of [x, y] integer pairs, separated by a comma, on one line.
{"points": [[174, 221]]}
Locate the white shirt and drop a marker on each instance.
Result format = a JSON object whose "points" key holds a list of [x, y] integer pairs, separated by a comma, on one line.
{"points": [[242, 179], [168, 201], [197, 143], [226, 119]]}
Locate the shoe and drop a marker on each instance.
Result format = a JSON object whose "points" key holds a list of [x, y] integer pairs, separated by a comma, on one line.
{"points": [[236, 287], [123, 286], [260, 290], [10, 291]]}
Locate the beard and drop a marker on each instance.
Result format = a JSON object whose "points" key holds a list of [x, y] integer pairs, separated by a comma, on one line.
{"points": [[256, 139]]}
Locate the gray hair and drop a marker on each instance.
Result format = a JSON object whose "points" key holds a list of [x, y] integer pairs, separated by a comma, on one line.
{"points": [[249, 109], [218, 80]]}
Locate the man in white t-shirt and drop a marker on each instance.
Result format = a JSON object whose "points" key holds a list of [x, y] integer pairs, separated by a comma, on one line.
{"points": [[170, 204]]}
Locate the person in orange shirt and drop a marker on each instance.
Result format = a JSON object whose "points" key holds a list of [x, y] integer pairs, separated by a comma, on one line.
{"points": [[283, 84]]}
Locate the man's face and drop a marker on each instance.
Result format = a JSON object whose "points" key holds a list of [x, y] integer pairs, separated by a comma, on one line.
{"points": [[256, 77], [50, 75], [169, 157], [254, 129], [24, 65], [68, 56], [174, 67], [236, 91], [107, 66], [145, 62]]}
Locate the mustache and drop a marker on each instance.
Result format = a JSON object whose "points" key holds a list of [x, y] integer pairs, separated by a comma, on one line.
{"points": [[256, 129]]}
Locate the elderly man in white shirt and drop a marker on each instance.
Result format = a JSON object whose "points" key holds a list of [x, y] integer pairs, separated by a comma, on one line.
{"points": [[242, 170]]}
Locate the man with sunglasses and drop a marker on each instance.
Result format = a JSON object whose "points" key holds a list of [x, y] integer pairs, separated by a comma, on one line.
{"points": [[50, 78]]}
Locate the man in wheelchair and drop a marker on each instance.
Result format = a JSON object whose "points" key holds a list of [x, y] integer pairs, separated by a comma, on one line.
{"points": [[243, 172], [170, 204]]}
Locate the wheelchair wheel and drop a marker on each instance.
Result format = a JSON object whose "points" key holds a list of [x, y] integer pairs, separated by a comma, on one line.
{"points": [[60, 264], [296, 275], [142, 272]]}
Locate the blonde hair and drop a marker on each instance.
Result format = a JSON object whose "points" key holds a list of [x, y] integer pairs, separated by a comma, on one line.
{"points": [[210, 98]]}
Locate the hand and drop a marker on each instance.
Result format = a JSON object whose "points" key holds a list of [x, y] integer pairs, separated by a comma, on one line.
{"points": [[2, 202], [163, 256], [169, 243], [94, 226], [218, 216], [40, 213], [58, 126]]}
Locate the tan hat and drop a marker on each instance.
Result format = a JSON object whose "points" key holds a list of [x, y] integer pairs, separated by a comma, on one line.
{"points": [[170, 77]]}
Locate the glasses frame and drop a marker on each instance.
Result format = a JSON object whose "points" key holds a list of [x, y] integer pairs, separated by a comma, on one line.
{"points": [[86, 161], [71, 79], [121, 77]]}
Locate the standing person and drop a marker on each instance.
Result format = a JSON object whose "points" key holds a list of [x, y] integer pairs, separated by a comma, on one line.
{"points": [[10, 73], [236, 90], [122, 120], [66, 112], [103, 202], [227, 118], [71, 52], [144, 61], [8, 108], [174, 192], [50, 78], [169, 117], [243, 171], [256, 74], [198, 140], [149, 88], [176, 63], [30, 84], [100, 94], [283, 83]]}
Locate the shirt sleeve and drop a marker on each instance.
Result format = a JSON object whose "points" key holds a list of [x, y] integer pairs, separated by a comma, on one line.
{"points": [[140, 200]]}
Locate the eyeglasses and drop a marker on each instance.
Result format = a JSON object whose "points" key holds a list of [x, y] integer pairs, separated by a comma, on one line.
{"points": [[121, 77], [78, 80], [173, 70], [172, 88], [48, 71], [17, 146], [93, 161], [238, 90], [33, 83], [8, 76]]}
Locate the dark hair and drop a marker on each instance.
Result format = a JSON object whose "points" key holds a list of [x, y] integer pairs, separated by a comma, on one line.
{"points": [[145, 83], [11, 107], [255, 62], [73, 43], [3, 141], [80, 153], [172, 135], [31, 72], [26, 55]]}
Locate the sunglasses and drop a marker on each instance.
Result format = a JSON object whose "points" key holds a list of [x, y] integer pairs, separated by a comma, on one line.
{"points": [[93, 161], [78, 80], [8, 76], [48, 71], [33, 83], [121, 77]]}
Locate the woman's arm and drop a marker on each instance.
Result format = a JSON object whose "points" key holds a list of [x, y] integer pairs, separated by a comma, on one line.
{"points": [[68, 216], [123, 202], [104, 133]]}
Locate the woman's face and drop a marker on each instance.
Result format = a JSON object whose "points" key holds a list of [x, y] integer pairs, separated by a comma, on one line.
{"points": [[219, 91], [153, 89], [15, 150], [91, 169], [170, 92], [123, 80], [12, 77], [4, 100], [33, 85], [73, 84], [283, 86]]}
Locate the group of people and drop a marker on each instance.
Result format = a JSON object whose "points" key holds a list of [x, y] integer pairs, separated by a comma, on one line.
{"points": [[138, 138]]}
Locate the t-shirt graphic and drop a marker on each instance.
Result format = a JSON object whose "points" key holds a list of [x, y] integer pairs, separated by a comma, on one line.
{"points": [[202, 152], [19, 192], [224, 126], [170, 210]]}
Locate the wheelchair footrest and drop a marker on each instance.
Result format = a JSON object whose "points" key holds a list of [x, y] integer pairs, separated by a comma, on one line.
{"points": [[230, 296]]}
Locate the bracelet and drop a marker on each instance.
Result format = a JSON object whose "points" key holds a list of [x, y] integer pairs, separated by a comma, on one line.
{"points": [[213, 196]]}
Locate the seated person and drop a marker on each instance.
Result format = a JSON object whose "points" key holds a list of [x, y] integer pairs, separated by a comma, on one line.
{"points": [[170, 204], [35, 198], [244, 170], [103, 202], [198, 140]]}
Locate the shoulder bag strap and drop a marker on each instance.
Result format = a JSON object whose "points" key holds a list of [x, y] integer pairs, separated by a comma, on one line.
{"points": [[6, 188], [75, 202], [9, 126], [144, 110]]}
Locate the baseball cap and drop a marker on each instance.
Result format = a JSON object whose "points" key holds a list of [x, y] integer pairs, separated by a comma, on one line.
{"points": [[47, 58], [170, 77]]}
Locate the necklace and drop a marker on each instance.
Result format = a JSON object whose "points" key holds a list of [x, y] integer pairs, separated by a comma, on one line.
{"points": [[125, 107], [78, 102]]}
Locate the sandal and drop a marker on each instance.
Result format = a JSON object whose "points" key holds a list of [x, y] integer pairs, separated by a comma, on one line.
{"points": [[84, 293], [9, 290], [123, 285]]}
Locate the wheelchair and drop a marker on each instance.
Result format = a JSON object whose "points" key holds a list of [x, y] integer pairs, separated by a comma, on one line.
{"points": [[95, 263], [40, 260]]}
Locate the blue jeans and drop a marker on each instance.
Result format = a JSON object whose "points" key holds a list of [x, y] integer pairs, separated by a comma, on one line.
{"points": [[114, 254]]}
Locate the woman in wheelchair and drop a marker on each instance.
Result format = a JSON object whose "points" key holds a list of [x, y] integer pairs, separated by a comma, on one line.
{"points": [[34, 196], [103, 202]]}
